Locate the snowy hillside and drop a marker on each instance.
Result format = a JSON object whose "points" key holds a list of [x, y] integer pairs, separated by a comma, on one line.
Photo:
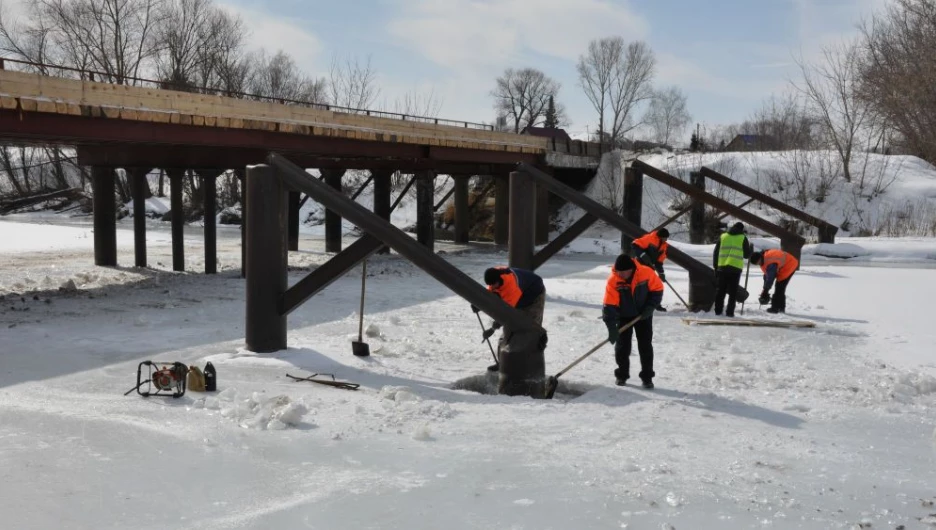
{"points": [[888, 195]]}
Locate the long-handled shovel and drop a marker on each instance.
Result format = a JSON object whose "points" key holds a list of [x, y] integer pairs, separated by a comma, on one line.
{"points": [[677, 295], [746, 275], [496, 362], [552, 382], [359, 347]]}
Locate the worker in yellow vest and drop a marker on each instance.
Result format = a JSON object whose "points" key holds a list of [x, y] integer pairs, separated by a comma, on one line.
{"points": [[731, 249]]}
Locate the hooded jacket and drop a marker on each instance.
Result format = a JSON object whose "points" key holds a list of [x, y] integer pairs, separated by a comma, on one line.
{"points": [[746, 248], [627, 299]]}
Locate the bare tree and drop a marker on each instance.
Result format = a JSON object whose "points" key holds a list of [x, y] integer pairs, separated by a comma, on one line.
{"points": [[416, 103], [352, 84], [782, 122], [279, 77], [522, 96], [667, 115], [632, 80], [184, 36], [114, 37], [898, 71], [596, 75], [832, 88]]}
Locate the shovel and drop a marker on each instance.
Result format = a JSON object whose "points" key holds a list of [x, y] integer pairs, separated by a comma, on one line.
{"points": [[359, 347], [552, 382], [677, 295], [746, 275]]}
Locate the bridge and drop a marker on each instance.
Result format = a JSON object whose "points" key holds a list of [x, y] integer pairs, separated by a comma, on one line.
{"points": [[139, 128]]}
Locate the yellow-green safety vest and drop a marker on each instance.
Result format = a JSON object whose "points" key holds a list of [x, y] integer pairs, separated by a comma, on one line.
{"points": [[731, 251]]}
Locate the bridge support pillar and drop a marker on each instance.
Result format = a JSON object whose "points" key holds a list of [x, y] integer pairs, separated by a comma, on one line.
{"points": [[462, 214], [382, 183], [210, 205], [105, 216], [697, 213], [138, 188], [425, 206], [332, 219], [266, 260], [633, 202], [701, 291], [294, 198], [501, 209], [177, 215], [542, 211], [522, 220]]}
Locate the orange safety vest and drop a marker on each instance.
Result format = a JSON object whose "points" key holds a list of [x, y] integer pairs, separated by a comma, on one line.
{"points": [[509, 291], [785, 262], [652, 239], [643, 275]]}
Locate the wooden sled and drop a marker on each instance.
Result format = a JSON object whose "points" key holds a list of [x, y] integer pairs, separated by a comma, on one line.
{"points": [[752, 322]]}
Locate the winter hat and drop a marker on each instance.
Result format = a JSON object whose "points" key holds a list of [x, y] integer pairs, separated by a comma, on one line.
{"points": [[757, 257], [738, 227], [663, 233], [492, 276], [624, 263]]}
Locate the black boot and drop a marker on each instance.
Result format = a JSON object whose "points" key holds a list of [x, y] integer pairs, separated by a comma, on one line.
{"points": [[647, 383], [661, 308], [494, 368]]}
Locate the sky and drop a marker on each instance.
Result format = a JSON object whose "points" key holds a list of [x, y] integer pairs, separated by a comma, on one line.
{"points": [[727, 56]]}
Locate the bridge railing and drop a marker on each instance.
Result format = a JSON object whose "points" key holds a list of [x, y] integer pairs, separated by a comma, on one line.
{"points": [[103, 77]]}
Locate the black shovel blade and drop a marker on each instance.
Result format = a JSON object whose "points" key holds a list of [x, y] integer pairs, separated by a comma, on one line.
{"points": [[549, 387], [360, 349]]}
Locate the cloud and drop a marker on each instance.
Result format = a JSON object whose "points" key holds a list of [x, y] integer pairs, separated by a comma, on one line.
{"points": [[278, 33], [491, 34]]}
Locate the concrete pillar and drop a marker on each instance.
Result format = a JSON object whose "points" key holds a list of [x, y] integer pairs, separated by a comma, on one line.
{"points": [[332, 219], [294, 198], [178, 218], [210, 200], [701, 291], [522, 220], [633, 201], [105, 216], [462, 215], [501, 209], [697, 213], [382, 199], [425, 203], [138, 184], [266, 260]]}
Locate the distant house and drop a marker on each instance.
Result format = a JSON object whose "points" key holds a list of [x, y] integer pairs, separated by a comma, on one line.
{"points": [[752, 142], [555, 133]]}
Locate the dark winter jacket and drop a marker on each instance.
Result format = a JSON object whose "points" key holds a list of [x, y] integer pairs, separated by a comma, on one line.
{"points": [[625, 300], [653, 248], [520, 287], [748, 248]]}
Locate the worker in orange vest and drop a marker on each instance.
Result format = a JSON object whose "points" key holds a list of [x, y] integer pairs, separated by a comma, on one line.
{"points": [[632, 289], [650, 249], [776, 265], [520, 289]]}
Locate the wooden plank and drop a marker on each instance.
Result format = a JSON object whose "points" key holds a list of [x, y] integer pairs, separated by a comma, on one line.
{"points": [[752, 322]]}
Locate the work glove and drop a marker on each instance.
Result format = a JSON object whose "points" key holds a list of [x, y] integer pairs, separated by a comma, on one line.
{"points": [[474, 308], [647, 312], [613, 333], [764, 298], [487, 334], [662, 276]]}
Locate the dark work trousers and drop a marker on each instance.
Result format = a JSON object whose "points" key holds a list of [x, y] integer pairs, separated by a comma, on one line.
{"points": [[728, 280], [778, 301], [622, 349]]}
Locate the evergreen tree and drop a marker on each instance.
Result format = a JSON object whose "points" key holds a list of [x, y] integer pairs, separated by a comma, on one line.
{"points": [[551, 121]]}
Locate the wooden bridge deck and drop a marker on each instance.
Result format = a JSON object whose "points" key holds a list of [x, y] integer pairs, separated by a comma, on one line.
{"points": [[27, 92]]}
